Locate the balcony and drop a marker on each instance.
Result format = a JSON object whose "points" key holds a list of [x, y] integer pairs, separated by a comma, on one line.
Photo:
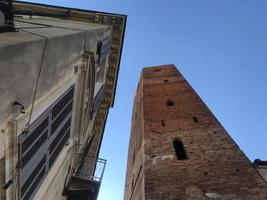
{"points": [[85, 182]]}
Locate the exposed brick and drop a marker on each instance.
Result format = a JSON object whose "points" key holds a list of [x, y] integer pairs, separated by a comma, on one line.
{"points": [[215, 169]]}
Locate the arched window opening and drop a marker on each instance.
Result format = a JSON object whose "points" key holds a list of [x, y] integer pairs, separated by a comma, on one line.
{"points": [[179, 149], [170, 103]]}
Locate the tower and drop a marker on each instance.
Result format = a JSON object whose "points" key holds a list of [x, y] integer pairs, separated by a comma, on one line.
{"points": [[179, 150]]}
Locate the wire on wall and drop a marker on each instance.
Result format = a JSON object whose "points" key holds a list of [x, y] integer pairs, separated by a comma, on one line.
{"points": [[38, 76]]}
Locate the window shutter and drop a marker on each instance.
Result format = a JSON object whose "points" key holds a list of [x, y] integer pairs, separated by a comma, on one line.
{"points": [[40, 146], [99, 97]]}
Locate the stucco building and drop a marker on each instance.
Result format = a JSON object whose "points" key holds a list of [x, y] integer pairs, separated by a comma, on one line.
{"points": [[58, 73], [179, 150]]}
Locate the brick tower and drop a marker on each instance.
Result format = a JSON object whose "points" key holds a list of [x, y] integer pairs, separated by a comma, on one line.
{"points": [[179, 151]]}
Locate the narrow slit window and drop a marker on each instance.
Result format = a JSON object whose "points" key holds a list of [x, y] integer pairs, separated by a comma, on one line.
{"points": [[133, 156], [179, 149]]}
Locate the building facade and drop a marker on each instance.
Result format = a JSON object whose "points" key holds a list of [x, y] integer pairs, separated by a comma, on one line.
{"points": [[58, 68], [179, 150]]}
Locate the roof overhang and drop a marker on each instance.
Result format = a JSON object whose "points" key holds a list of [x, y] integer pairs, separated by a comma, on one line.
{"points": [[116, 21]]}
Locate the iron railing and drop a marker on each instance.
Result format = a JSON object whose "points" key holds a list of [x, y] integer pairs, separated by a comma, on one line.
{"points": [[88, 167]]}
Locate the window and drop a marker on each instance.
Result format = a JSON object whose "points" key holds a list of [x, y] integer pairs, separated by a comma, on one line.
{"points": [[133, 157], [40, 146], [99, 98], [195, 119], [170, 103], [103, 49], [179, 149]]}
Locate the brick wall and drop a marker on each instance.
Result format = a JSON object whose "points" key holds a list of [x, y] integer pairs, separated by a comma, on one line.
{"points": [[134, 184], [215, 167]]}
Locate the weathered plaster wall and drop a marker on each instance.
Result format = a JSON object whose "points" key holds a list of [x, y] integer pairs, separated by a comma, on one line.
{"points": [[60, 44], [18, 68], [22, 52]]}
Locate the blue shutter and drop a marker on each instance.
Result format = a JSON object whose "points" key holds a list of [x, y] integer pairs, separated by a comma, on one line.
{"points": [[40, 146], [99, 98]]}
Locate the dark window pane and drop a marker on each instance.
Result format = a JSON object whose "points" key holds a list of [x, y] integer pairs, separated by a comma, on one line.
{"points": [[34, 135], [59, 136], [61, 117], [34, 148], [29, 181], [61, 104]]}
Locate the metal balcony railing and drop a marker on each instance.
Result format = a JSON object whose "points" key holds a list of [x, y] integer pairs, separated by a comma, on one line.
{"points": [[90, 168], [86, 176]]}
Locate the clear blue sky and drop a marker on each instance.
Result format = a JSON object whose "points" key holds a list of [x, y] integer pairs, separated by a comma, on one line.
{"points": [[220, 46]]}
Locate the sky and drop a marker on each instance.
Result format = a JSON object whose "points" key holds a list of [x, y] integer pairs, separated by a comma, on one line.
{"points": [[220, 48]]}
